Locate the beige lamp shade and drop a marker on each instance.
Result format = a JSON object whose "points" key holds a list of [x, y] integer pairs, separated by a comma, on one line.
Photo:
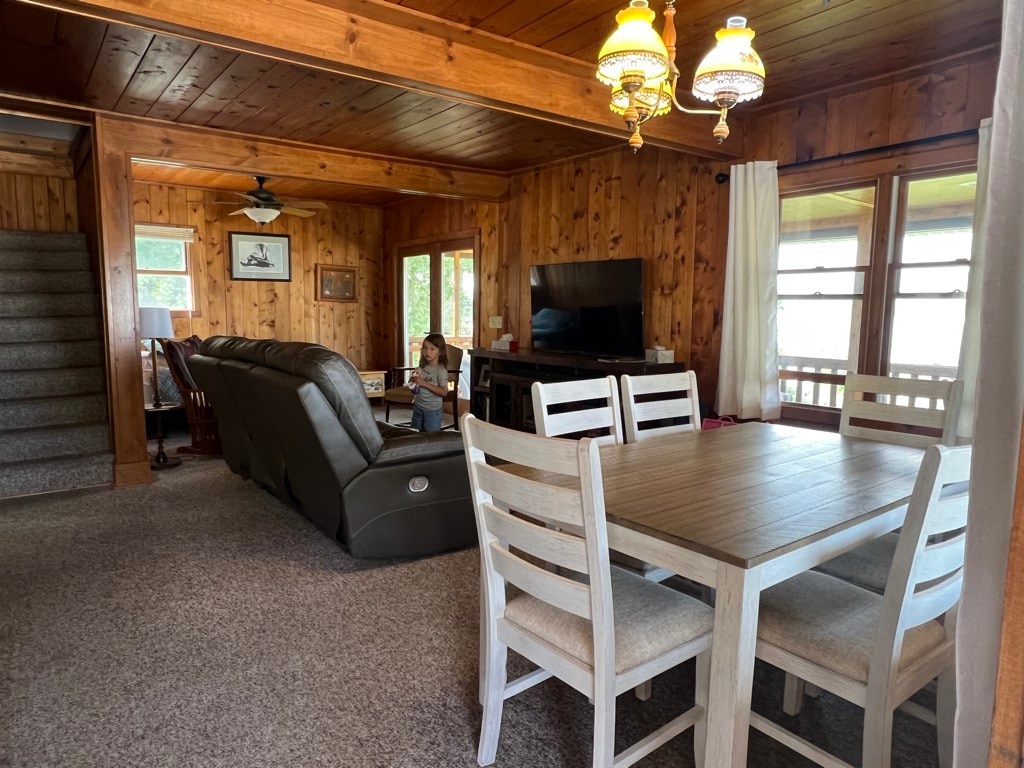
{"points": [[262, 215], [155, 323], [634, 48], [731, 72]]}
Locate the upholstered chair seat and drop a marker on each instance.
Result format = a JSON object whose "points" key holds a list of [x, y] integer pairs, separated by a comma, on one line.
{"points": [[833, 624]]}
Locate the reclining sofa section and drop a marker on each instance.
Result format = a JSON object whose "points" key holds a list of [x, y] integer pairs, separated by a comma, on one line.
{"points": [[294, 417]]}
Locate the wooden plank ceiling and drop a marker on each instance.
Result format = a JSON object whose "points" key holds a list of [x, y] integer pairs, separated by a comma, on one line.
{"points": [[809, 46]]}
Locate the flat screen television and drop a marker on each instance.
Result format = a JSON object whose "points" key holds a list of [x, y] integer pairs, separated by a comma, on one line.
{"points": [[588, 307]]}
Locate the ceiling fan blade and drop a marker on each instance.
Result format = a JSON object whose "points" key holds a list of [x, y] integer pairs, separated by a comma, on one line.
{"points": [[240, 210], [307, 204], [297, 212]]}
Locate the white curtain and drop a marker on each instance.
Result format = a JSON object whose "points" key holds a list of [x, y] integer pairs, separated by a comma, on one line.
{"points": [[970, 346], [748, 371], [999, 406]]}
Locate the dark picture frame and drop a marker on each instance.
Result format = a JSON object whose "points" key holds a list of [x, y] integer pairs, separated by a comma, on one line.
{"points": [[258, 256], [334, 283]]}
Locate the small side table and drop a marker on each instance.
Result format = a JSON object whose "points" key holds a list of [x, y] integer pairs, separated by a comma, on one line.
{"points": [[162, 460]]}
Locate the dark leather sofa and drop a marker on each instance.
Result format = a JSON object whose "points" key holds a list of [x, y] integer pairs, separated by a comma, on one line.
{"points": [[293, 417]]}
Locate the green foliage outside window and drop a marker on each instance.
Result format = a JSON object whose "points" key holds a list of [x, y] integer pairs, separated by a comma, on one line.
{"points": [[162, 273]]}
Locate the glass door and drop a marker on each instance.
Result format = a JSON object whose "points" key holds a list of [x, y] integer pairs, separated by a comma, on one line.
{"points": [[438, 284], [416, 315]]}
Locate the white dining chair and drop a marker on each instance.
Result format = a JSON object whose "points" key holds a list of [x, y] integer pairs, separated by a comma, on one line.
{"points": [[898, 405], [580, 407], [896, 410], [877, 650], [599, 629], [649, 401]]}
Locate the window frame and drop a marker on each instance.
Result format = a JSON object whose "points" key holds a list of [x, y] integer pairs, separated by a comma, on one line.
{"points": [[434, 247], [166, 232], [891, 177]]}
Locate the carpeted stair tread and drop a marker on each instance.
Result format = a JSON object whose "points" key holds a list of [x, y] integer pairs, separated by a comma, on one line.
{"points": [[33, 281], [49, 304], [26, 329], [44, 260], [36, 443], [52, 411], [22, 478], [27, 240], [34, 355], [49, 382]]}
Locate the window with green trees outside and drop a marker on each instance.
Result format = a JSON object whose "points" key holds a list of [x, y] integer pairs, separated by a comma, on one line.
{"points": [[162, 268]]}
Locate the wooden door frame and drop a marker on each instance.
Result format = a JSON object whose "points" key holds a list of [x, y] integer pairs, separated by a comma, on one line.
{"points": [[435, 244], [1006, 748]]}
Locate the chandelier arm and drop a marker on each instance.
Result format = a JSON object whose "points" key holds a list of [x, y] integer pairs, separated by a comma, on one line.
{"points": [[687, 110]]}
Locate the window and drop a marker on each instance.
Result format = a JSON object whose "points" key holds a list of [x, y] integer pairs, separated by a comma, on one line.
{"points": [[438, 290], [850, 301], [163, 268]]}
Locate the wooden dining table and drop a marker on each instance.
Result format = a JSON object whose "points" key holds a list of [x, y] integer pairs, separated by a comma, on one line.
{"points": [[741, 509]]}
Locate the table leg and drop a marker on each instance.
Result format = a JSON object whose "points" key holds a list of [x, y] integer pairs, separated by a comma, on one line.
{"points": [[161, 460], [732, 666]]}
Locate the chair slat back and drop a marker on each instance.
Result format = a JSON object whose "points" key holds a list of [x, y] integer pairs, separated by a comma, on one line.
{"points": [[681, 403], [511, 512], [598, 408], [927, 571], [897, 406], [559, 591], [542, 501]]}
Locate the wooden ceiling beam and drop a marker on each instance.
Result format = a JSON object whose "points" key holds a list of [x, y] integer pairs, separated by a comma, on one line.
{"points": [[221, 150], [386, 43]]}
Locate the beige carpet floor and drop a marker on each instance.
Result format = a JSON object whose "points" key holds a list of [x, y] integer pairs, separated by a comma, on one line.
{"points": [[199, 622]]}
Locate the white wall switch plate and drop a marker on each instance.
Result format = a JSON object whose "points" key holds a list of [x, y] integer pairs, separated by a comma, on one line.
{"points": [[496, 321]]}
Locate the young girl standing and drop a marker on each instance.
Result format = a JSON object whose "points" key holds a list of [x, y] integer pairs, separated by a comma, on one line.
{"points": [[430, 382]]}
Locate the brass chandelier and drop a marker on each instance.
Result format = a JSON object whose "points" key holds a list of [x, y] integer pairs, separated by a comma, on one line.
{"points": [[640, 67]]}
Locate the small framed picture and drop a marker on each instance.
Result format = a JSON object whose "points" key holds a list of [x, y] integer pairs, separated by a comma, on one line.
{"points": [[373, 382], [260, 257], [335, 283], [485, 375]]}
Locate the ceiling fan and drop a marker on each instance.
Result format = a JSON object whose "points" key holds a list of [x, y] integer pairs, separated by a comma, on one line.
{"points": [[266, 206]]}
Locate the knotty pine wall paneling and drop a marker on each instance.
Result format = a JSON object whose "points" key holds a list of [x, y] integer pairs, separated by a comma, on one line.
{"points": [[343, 235], [948, 100], [38, 203], [421, 219], [658, 205]]}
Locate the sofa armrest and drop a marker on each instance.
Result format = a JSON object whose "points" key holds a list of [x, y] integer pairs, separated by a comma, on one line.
{"points": [[403, 445]]}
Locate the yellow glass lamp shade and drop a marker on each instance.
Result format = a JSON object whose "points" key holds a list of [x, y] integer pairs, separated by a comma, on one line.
{"points": [[650, 101], [634, 51], [732, 72]]}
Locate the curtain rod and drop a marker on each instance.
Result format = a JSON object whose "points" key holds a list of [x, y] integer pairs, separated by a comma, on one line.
{"points": [[887, 147]]}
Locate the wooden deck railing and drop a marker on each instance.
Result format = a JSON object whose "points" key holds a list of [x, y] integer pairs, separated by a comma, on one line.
{"points": [[819, 380], [466, 342]]}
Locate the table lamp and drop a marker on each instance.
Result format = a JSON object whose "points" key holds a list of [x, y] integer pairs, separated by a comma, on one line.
{"points": [[155, 323]]}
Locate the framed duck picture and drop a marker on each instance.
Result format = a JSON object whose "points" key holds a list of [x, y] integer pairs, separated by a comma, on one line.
{"points": [[256, 256]]}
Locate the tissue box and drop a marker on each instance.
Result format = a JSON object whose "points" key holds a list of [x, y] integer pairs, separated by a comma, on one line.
{"points": [[505, 345], [659, 355]]}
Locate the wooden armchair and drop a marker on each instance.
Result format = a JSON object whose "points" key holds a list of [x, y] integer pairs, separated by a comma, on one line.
{"points": [[397, 393], [201, 422]]}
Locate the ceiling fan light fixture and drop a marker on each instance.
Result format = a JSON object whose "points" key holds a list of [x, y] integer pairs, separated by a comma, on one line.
{"points": [[262, 215]]}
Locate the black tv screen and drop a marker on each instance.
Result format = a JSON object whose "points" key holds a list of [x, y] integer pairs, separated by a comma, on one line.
{"points": [[588, 307]]}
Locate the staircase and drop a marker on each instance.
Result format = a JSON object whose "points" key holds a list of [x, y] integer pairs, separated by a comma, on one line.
{"points": [[54, 431]]}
